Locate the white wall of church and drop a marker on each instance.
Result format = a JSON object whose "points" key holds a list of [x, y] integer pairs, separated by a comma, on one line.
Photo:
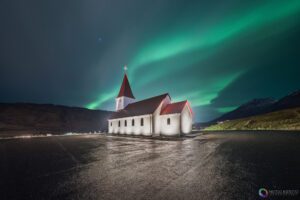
{"points": [[156, 116], [173, 127], [122, 102], [129, 128], [155, 124], [186, 120]]}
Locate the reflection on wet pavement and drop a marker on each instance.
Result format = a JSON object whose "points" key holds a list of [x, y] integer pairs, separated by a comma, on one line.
{"points": [[212, 166]]}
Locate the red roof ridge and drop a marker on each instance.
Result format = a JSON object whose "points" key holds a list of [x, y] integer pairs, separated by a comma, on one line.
{"points": [[148, 99], [125, 89], [173, 108], [143, 107]]}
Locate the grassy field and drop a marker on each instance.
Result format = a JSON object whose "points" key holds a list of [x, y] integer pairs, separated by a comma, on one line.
{"points": [[288, 119]]}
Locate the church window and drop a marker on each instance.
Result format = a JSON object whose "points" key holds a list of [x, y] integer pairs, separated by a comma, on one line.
{"points": [[142, 121], [132, 122], [119, 123], [168, 121], [125, 122]]}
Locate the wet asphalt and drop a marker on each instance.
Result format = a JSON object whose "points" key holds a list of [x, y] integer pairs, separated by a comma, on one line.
{"points": [[232, 165]]}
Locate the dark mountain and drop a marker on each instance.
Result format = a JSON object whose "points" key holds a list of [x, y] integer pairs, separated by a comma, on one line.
{"points": [[202, 125], [290, 101], [254, 107], [262, 106], [286, 119], [47, 118]]}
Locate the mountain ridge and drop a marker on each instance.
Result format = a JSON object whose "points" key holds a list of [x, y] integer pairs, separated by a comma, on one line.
{"points": [[262, 106], [50, 118], [285, 120]]}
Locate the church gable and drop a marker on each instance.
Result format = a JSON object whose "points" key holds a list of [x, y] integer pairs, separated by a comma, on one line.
{"points": [[176, 107]]}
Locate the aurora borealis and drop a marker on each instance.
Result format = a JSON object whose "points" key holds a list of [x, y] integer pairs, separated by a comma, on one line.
{"points": [[216, 54]]}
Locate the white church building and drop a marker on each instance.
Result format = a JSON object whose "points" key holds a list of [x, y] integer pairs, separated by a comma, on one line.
{"points": [[150, 117]]}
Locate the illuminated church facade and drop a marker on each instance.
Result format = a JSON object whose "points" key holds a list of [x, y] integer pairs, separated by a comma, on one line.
{"points": [[150, 117]]}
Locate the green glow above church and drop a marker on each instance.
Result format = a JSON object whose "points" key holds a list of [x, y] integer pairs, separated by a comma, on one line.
{"points": [[216, 54], [189, 45]]}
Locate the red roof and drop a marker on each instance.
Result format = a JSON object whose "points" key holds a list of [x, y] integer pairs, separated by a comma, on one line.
{"points": [[174, 108], [125, 90], [144, 107]]}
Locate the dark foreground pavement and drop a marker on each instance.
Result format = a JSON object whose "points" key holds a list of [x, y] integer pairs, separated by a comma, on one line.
{"points": [[212, 166]]}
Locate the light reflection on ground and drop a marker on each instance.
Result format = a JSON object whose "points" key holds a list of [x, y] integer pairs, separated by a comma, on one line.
{"points": [[211, 166]]}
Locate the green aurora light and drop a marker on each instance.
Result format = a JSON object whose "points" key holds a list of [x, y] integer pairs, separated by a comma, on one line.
{"points": [[180, 40]]}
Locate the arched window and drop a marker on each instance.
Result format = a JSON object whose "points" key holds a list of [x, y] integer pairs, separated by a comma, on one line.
{"points": [[168, 121], [125, 122], [119, 123], [142, 121], [132, 122]]}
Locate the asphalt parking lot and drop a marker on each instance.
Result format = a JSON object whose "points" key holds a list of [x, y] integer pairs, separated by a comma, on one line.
{"points": [[211, 166]]}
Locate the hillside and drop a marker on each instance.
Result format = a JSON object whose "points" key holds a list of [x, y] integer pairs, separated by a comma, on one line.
{"points": [[288, 119], [262, 106], [251, 108], [290, 101], [47, 118]]}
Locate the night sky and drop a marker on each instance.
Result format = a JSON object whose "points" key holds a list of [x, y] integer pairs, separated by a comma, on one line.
{"points": [[216, 54]]}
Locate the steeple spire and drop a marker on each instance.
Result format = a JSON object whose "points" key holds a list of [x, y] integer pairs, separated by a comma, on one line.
{"points": [[125, 95], [125, 89]]}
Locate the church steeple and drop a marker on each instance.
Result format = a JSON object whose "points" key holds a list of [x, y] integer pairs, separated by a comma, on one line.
{"points": [[125, 89], [125, 95]]}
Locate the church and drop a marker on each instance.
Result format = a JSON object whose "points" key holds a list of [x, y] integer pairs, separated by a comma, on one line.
{"points": [[154, 116]]}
